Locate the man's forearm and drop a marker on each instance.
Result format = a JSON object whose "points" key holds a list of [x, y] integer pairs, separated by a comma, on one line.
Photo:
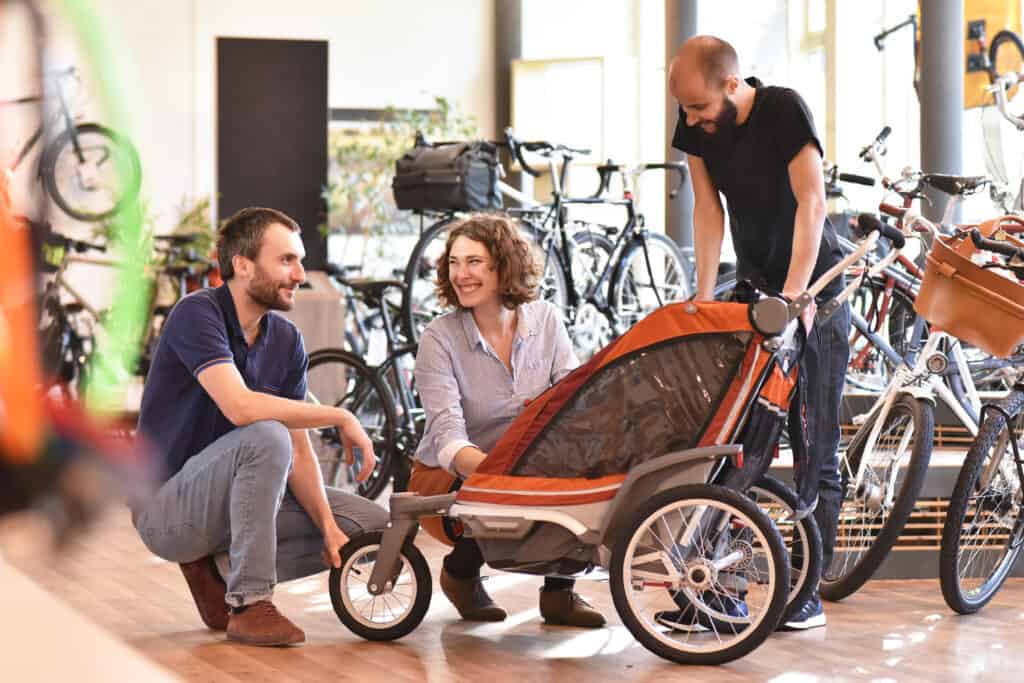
{"points": [[256, 406], [810, 219], [708, 230]]}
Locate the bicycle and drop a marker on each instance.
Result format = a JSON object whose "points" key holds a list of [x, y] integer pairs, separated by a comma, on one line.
{"points": [[883, 468], [983, 533], [604, 278], [382, 397], [91, 172], [68, 323]]}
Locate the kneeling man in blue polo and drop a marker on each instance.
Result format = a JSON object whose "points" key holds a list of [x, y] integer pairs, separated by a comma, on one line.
{"points": [[243, 504]]}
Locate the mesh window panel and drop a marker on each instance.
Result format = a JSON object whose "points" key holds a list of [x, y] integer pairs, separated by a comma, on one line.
{"points": [[639, 407]]}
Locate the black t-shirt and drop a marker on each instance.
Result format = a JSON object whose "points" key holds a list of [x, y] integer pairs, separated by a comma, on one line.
{"points": [[751, 168]]}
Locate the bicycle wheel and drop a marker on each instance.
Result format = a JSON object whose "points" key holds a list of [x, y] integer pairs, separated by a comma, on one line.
{"points": [[338, 378], [890, 314], [391, 614], [984, 533], [421, 305], [647, 278], [801, 536], [874, 513], [91, 172], [713, 560], [591, 330]]}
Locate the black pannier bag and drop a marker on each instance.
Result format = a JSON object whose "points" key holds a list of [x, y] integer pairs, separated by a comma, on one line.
{"points": [[461, 176]]}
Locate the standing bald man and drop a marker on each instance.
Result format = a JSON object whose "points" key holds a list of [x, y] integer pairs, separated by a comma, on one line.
{"points": [[756, 145]]}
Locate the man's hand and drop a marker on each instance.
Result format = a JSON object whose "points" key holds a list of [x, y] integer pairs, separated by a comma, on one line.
{"points": [[354, 436], [807, 317], [334, 539]]}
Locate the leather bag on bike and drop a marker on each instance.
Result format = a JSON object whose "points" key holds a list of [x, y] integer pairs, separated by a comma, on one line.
{"points": [[975, 304], [460, 176]]}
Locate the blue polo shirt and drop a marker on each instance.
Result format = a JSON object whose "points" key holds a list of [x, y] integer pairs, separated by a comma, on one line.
{"points": [[177, 415]]}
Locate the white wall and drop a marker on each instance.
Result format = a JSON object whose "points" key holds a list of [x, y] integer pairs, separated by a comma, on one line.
{"points": [[393, 53]]}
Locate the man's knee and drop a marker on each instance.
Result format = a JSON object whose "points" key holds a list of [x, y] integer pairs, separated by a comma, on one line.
{"points": [[355, 512], [267, 441]]}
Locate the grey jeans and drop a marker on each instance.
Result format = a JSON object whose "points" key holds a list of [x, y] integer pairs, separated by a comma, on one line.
{"points": [[233, 497]]}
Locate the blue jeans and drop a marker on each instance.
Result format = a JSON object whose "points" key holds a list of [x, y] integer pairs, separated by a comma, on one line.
{"points": [[233, 497], [818, 404]]}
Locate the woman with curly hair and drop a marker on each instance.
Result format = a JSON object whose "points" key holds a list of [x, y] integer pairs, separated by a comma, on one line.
{"points": [[477, 366]]}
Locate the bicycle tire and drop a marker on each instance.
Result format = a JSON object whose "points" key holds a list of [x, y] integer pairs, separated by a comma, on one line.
{"points": [[746, 639], [802, 583], [366, 397], [590, 328], [61, 197], [631, 261], [839, 583], [953, 538]]}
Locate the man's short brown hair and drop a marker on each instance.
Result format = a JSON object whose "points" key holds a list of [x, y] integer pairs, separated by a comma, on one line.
{"points": [[519, 271], [242, 235]]}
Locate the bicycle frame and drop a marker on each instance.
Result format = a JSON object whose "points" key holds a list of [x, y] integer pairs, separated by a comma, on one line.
{"points": [[63, 114]]}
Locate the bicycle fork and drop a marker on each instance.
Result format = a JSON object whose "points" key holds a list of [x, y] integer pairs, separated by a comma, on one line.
{"points": [[919, 382]]}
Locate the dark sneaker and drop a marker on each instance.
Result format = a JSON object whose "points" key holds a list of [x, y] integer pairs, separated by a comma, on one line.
{"points": [[566, 608], [208, 591], [470, 599], [261, 624], [692, 620], [811, 615]]}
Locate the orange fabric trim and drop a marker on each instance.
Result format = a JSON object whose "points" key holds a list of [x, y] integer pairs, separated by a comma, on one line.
{"points": [[538, 500], [546, 491], [735, 393], [432, 481], [778, 389], [668, 322]]}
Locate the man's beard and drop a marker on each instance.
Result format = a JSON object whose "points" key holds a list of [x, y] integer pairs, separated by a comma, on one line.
{"points": [[266, 292], [725, 122]]}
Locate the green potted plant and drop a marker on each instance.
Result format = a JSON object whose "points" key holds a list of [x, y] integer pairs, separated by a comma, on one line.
{"points": [[361, 164]]}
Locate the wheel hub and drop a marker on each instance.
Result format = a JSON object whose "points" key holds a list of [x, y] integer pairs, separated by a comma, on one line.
{"points": [[701, 575], [591, 329]]}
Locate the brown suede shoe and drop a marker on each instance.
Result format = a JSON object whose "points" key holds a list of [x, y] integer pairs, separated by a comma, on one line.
{"points": [[566, 608], [470, 598], [208, 591], [261, 624]]}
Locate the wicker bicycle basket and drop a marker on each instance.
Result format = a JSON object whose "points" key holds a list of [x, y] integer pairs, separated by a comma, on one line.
{"points": [[975, 304]]}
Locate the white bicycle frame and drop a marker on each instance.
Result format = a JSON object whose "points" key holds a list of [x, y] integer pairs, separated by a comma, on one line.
{"points": [[920, 383]]}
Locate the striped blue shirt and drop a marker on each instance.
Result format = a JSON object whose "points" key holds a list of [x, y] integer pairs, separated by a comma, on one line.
{"points": [[468, 394]]}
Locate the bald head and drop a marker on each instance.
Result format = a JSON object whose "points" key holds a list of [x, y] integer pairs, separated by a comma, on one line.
{"points": [[704, 79], [712, 58]]}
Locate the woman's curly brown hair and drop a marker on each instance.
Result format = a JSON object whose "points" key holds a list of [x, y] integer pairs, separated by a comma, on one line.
{"points": [[519, 271]]}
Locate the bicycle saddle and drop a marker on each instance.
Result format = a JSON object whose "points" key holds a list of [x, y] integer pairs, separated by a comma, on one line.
{"points": [[372, 289], [954, 184]]}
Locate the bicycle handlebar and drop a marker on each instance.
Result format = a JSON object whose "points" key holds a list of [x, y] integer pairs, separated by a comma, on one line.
{"points": [[679, 167], [856, 179], [516, 147], [995, 246], [998, 90], [57, 240], [867, 223], [879, 140]]}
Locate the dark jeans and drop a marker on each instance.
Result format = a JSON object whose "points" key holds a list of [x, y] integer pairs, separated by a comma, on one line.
{"points": [[817, 405], [465, 561]]}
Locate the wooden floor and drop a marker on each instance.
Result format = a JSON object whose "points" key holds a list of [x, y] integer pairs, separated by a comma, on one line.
{"points": [[890, 631]]}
